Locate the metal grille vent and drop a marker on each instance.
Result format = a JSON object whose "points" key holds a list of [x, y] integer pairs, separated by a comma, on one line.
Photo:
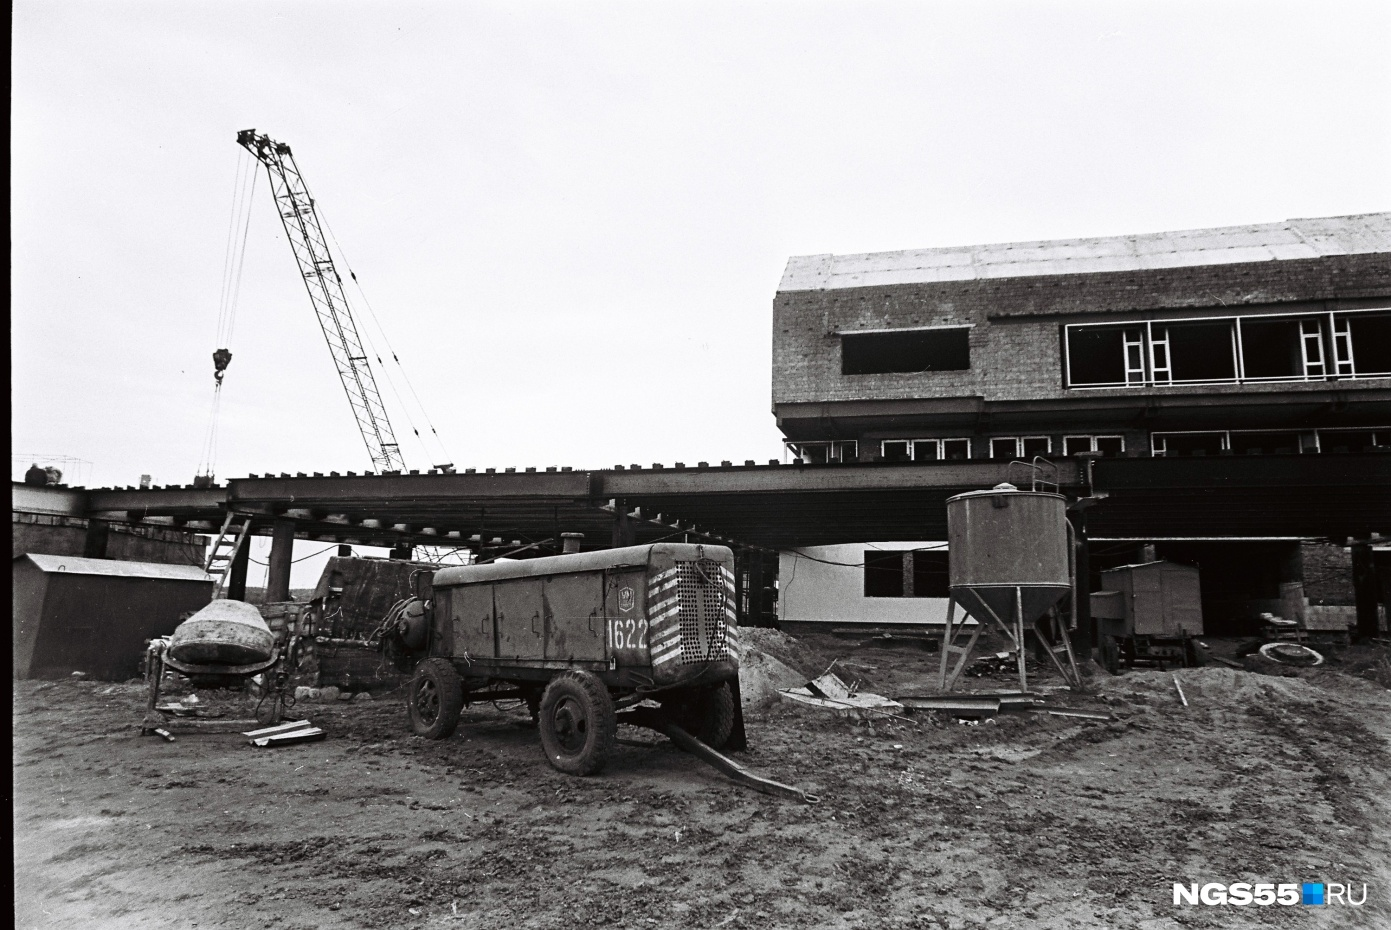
{"points": [[700, 592]]}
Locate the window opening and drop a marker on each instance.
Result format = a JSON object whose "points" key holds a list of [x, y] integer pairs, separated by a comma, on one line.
{"points": [[929, 573], [907, 352], [896, 450], [1370, 335], [1200, 351], [956, 449], [1107, 445], [1004, 448], [925, 450], [1353, 440], [1263, 443], [907, 573], [1172, 444], [821, 453], [1277, 347], [883, 573], [1096, 355]]}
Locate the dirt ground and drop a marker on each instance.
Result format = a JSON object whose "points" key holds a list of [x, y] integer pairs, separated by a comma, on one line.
{"points": [[1027, 821]]}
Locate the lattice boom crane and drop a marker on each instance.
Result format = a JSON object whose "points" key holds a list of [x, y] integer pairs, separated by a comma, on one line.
{"points": [[325, 288]]}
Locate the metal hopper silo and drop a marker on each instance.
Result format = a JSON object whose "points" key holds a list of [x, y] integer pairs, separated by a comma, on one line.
{"points": [[1010, 563]]}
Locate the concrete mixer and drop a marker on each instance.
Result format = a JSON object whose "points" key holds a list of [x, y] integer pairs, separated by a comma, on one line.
{"points": [[224, 644]]}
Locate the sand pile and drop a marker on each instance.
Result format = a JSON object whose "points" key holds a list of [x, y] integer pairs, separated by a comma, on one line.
{"points": [[1217, 683], [770, 660]]}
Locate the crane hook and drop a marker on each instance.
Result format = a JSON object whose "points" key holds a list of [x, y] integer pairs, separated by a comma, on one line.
{"points": [[221, 359]]}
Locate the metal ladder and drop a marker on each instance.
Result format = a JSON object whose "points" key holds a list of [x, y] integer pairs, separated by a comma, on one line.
{"points": [[223, 552]]}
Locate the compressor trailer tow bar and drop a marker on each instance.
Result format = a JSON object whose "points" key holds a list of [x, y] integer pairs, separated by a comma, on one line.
{"points": [[655, 720]]}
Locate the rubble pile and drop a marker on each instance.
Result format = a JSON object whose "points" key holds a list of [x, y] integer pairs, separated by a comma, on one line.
{"points": [[769, 660]]}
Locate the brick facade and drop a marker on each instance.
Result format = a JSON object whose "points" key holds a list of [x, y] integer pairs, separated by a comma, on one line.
{"points": [[1015, 383]]}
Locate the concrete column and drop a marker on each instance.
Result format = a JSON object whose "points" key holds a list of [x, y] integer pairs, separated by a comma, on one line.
{"points": [[98, 533], [282, 553], [1365, 591], [624, 533], [756, 595], [236, 581], [741, 565]]}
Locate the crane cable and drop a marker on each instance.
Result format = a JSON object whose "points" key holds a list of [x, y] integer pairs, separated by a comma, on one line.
{"points": [[233, 263], [405, 408]]}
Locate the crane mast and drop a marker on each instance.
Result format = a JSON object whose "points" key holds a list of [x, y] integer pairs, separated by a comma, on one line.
{"points": [[330, 303]]}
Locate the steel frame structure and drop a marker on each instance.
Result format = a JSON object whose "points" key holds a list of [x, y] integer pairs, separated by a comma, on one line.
{"points": [[325, 287]]}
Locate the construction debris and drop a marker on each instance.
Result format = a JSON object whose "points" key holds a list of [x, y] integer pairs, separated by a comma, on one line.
{"points": [[1179, 687], [1078, 714], [956, 705], [855, 706], [829, 686], [1288, 653], [301, 731]]}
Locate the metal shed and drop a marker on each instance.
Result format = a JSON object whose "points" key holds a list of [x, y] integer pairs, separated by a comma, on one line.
{"points": [[1151, 599], [94, 615]]}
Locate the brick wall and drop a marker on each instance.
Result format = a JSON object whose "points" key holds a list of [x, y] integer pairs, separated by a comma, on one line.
{"points": [[52, 534], [1015, 342], [1327, 574]]}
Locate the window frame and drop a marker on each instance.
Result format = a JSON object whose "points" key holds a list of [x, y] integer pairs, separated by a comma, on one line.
{"points": [[840, 446], [1325, 355], [1091, 441]]}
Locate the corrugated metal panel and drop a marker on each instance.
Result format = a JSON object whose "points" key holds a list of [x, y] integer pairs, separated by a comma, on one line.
{"points": [[74, 565], [1292, 239]]}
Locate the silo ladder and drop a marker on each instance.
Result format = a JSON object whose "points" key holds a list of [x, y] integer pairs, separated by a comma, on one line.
{"points": [[222, 554]]}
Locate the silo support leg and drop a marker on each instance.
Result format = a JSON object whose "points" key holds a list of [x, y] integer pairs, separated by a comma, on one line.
{"points": [[1019, 638], [1057, 650], [947, 679]]}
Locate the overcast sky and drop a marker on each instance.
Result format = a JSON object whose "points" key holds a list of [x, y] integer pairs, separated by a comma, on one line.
{"points": [[571, 218]]}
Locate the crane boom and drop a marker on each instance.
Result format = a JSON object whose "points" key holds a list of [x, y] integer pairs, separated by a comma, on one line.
{"points": [[325, 288]]}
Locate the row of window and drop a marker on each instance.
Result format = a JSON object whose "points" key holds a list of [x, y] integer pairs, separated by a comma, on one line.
{"points": [[905, 574], [1336, 345], [957, 449], [1264, 441], [1312, 347], [1184, 442]]}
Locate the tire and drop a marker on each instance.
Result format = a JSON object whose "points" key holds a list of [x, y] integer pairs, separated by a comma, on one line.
{"points": [[434, 699], [708, 715], [577, 723]]}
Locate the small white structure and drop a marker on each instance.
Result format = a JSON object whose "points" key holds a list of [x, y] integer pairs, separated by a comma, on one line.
{"points": [[878, 584]]}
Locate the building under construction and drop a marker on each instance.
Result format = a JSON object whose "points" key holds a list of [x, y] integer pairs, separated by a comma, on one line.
{"points": [[1220, 396]]}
